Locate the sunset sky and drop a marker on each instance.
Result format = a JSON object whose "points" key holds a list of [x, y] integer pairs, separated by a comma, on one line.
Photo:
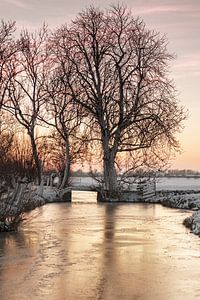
{"points": [[178, 19]]}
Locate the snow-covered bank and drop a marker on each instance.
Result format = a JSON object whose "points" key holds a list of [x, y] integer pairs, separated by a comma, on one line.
{"points": [[183, 201], [193, 222], [15, 203], [50, 194], [170, 199]]}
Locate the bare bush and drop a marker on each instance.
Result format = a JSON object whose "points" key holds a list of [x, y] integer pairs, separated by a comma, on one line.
{"points": [[16, 159], [14, 203]]}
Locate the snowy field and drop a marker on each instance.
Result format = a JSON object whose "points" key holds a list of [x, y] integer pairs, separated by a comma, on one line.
{"points": [[170, 184], [177, 183]]}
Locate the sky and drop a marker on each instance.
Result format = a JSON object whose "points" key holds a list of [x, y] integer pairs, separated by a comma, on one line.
{"points": [[178, 19]]}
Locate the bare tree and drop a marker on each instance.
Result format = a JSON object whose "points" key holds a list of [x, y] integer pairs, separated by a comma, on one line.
{"points": [[7, 50], [28, 72], [122, 82], [64, 115]]}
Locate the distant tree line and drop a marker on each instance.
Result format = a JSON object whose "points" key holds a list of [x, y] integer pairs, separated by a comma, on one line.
{"points": [[96, 90], [181, 173]]}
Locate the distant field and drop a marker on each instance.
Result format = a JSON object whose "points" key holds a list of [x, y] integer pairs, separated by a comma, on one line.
{"points": [[162, 183]]}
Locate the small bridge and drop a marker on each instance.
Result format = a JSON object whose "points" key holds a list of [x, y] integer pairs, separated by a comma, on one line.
{"points": [[146, 189], [76, 193]]}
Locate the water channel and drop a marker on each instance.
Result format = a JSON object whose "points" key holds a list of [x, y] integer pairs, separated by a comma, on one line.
{"points": [[101, 251]]}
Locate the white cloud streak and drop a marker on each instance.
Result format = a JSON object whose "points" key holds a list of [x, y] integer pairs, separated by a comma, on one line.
{"points": [[146, 10], [17, 3]]}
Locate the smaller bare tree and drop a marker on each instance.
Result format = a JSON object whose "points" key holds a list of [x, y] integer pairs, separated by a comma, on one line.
{"points": [[7, 50], [62, 113], [28, 72]]}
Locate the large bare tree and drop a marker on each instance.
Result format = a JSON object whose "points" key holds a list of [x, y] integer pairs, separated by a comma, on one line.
{"points": [[122, 82]]}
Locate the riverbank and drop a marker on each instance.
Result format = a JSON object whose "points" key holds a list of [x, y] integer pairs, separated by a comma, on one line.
{"points": [[15, 203]]}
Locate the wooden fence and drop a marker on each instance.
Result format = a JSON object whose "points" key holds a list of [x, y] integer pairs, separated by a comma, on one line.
{"points": [[146, 189]]}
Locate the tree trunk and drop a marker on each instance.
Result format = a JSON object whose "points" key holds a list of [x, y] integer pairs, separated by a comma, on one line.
{"points": [[65, 180], [36, 158], [110, 175]]}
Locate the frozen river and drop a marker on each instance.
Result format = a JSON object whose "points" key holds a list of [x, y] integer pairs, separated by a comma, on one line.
{"points": [[94, 251]]}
